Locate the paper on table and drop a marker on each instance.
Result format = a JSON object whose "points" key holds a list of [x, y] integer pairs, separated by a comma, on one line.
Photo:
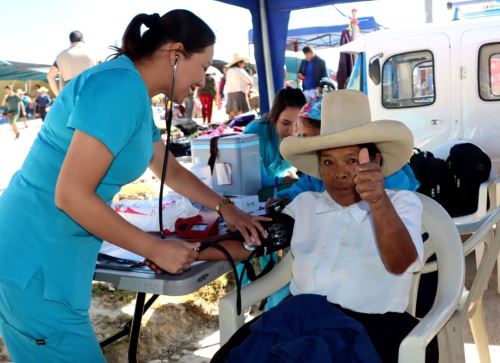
{"points": [[118, 252], [112, 250]]}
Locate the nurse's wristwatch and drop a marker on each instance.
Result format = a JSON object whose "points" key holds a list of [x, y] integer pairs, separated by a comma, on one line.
{"points": [[221, 204]]}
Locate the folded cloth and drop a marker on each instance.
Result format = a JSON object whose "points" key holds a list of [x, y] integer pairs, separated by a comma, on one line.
{"points": [[306, 328]]}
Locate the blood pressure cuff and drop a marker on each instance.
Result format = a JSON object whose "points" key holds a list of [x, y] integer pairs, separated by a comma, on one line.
{"points": [[279, 234]]}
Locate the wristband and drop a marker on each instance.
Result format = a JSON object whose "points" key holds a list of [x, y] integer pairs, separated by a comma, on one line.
{"points": [[222, 203]]}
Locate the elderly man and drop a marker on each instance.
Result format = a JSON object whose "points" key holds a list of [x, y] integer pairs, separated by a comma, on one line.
{"points": [[355, 245]]}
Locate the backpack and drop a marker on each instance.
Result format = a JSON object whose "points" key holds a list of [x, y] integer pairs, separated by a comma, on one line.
{"points": [[468, 167], [432, 173]]}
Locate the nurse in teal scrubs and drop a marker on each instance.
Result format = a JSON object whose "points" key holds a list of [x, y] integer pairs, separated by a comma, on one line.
{"points": [[98, 136]]}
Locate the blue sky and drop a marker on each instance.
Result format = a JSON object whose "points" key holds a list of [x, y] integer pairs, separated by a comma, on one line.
{"points": [[36, 31]]}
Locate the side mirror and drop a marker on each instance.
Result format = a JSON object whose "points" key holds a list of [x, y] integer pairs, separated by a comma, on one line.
{"points": [[374, 70]]}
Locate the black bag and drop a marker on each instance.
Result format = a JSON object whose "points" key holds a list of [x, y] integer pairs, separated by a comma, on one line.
{"points": [[468, 167], [180, 147], [432, 173]]}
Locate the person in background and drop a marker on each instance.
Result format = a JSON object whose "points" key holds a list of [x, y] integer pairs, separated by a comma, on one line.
{"points": [[70, 62], [272, 129], [43, 101], [311, 70], [221, 87], [188, 105], [98, 136], [28, 106], [238, 84], [207, 94], [15, 107]]}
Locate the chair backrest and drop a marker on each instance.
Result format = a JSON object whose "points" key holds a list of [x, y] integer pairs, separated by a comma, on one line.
{"points": [[444, 241]]}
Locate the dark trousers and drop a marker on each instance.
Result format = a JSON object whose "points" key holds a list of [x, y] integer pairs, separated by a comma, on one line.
{"points": [[386, 332]]}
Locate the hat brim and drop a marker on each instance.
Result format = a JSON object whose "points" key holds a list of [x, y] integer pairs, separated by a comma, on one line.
{"points": [[229, 65], [392, 138]]}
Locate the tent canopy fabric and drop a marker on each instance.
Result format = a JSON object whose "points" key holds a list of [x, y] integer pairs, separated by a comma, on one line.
{"points": [[23, 71], [275, 14], [322, 36]]}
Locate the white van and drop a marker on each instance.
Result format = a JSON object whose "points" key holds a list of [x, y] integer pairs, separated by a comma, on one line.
{"points": [[442, 81]]}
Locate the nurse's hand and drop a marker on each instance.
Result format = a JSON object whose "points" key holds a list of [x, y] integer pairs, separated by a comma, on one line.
{"points": [[174, 256], [247, 225]]}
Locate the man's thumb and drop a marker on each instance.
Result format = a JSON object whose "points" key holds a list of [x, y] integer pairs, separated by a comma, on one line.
{"points": [[364, 157]]}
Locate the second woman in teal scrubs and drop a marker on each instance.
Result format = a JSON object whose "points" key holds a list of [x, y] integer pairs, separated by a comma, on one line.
{"points": [[98, 136], [274, 127]]}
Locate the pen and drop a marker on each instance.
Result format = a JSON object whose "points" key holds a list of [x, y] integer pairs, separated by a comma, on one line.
{"points": [[137, 264]]}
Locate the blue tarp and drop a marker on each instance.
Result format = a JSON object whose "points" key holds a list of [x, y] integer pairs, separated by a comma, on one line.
{"points": [[23, 71], [277, 15]]}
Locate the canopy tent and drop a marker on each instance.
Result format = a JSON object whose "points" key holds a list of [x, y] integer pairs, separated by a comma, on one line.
{"points": [[270, 23], [23, 71], [322, 36]]}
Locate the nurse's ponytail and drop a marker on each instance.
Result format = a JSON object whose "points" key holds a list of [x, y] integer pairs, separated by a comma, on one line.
{"points": [[180, 26]]}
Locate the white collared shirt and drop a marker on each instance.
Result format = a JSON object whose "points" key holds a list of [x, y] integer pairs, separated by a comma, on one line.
{"points": [[336, 253]]}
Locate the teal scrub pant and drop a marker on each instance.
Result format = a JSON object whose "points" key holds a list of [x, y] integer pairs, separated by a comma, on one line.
{"points": [[38, 330]]}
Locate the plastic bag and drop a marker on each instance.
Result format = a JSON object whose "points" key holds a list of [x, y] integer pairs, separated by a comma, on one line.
{"points": [[144, 213]]}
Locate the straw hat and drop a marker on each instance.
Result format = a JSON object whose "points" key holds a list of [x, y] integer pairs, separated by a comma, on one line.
{"points": [[42, 89], [236, 59], [346, 120]]}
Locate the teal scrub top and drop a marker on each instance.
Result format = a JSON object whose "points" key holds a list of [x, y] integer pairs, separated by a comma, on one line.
{"points": [[271, 163], [109, 102]]}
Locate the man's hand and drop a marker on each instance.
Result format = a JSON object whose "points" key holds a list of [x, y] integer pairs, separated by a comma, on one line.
{"points": [[301, 76], [369, 180]]}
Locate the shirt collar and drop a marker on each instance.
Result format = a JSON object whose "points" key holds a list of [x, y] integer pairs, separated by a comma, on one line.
{"points": [[326, 204], [76, 44]]}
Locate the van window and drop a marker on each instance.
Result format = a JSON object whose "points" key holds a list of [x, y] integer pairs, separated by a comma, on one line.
{"points": [[489, 72], [408, 80]]}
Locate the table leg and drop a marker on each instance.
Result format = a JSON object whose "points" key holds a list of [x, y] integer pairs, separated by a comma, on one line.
{"points": [[136, 327]]}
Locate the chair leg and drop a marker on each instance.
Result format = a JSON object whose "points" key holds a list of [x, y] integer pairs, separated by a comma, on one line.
{"points": [[454, 342], [479, 333], [498, 274], [479, 254]]}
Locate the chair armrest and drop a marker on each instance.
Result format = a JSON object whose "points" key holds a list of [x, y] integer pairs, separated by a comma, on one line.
{"points": [[229, 320], [412, 348], [479, 229]]}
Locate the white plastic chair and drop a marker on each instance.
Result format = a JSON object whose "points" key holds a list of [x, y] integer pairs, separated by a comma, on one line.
{"points": [[487, 189], [444, 241], [471, 304]]}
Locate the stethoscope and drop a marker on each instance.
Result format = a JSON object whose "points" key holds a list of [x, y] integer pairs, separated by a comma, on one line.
{"points": [[168, 121]]}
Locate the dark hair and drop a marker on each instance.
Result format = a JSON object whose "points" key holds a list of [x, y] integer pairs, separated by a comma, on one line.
{"points": [[311, 122], [175, 26], [286, 97], [307, 49], [372, 150], [75, 36]]}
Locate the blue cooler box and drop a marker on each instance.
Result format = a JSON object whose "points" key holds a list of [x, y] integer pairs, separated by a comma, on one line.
{"points": [[241, 153]]}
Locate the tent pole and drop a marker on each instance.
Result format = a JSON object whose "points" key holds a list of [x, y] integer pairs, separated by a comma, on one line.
{"points": [[266, 51]]}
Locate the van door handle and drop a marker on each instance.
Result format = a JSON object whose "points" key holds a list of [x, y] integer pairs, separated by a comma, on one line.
{"points": [[435, 121]]}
